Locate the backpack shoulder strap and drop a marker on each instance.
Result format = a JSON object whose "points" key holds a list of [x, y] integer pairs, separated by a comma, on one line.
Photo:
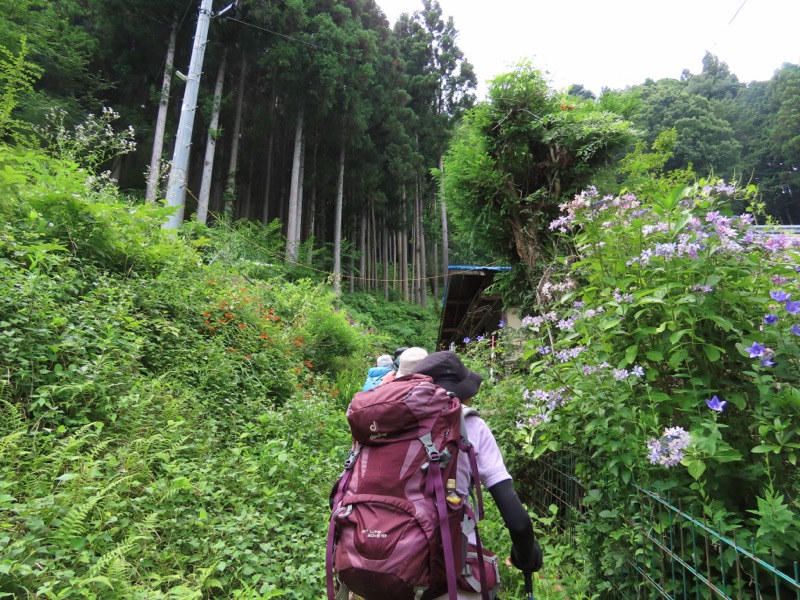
{"points": [[466, 446], [468, 411]]}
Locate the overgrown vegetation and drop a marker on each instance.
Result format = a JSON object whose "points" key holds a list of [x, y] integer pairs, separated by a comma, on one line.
{"points": [[170, 422], [171, 405], [666, 357]]}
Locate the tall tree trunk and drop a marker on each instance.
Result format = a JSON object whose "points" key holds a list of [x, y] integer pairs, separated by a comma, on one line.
{"points": [[298, 224], [337, 222], [270, 146], [423, 270], [404, 250], [312, 208], [373, 255], [435, 269], [385, 258], [362, 243], [292, 217], [161, 120], [415, 249], [230, 187], [395, 244], [445, 240], [419, 247], [353, 259], [211, 143]]}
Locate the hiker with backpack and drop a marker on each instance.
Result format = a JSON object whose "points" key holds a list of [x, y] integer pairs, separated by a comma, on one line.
{"points": [[405, 362], [447, 371], [402, 526], [383, 365]]}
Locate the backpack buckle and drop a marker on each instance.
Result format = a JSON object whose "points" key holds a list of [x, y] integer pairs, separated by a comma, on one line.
{"points": [[352, 456], [433, 454]]}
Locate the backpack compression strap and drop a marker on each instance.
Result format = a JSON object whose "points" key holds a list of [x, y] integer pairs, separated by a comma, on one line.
{"points": [[435, 488], [345, 479], [466, 446]]}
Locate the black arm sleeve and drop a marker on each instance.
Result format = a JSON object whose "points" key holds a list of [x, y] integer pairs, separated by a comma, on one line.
{"points": [[526, 554]]}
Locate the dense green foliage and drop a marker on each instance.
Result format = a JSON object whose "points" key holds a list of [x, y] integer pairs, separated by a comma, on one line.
{"points": [[514, 158], [729, 128], [171, 405], [387, 99], [170, 425]]}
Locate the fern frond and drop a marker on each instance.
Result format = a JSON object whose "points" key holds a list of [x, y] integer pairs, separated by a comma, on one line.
{"points": [[149, 445], [72, 525], [11, 415], [9, 443], [48, 466], [114, 566], [149, 524], [83, 583], [98, 449]]}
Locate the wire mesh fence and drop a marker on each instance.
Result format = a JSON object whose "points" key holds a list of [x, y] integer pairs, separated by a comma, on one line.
{"points": [[658, 548]]}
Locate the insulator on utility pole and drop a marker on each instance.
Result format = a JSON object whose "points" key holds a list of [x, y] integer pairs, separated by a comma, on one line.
{"points": [[178, 174]]}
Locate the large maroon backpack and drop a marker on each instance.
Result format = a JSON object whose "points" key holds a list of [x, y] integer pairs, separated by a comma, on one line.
{"points": [[392, 534]]}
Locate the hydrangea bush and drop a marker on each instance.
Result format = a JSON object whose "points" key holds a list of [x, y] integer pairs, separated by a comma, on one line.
{"points": [[668, 357]]}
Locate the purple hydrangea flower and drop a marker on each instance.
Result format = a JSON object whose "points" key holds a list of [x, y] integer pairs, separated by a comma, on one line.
{"points": [[756, 350], [792, 307], [668, 449], [780, 296], [716, 404], [771, 319], [566, 324], [620, 374]]}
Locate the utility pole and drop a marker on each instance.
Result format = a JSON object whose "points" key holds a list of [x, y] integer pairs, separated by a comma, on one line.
{"points": [[176, 188]]}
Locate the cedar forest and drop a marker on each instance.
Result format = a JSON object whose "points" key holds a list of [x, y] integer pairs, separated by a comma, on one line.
{"points": [[171, 399]]}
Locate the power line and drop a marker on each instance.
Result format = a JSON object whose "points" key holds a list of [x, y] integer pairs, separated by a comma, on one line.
{"points": [[737, 12]]}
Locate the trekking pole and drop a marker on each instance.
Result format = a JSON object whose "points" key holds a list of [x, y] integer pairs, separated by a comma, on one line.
{"points": [[529, 585]]}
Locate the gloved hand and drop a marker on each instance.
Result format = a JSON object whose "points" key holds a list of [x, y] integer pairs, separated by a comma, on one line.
{"points": [[527, 560]]}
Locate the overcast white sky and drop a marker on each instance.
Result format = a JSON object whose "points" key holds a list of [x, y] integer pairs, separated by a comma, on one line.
{"points": [[616, 43]]}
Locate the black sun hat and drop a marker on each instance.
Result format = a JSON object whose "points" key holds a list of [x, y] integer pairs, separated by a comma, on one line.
{"points": [[447, 371]]}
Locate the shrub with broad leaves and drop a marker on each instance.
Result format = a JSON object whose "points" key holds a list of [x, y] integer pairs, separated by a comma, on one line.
{"points": [[668, 357]]}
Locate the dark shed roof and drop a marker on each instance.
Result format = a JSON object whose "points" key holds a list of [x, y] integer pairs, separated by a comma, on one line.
{"points": [[468, 310]]}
